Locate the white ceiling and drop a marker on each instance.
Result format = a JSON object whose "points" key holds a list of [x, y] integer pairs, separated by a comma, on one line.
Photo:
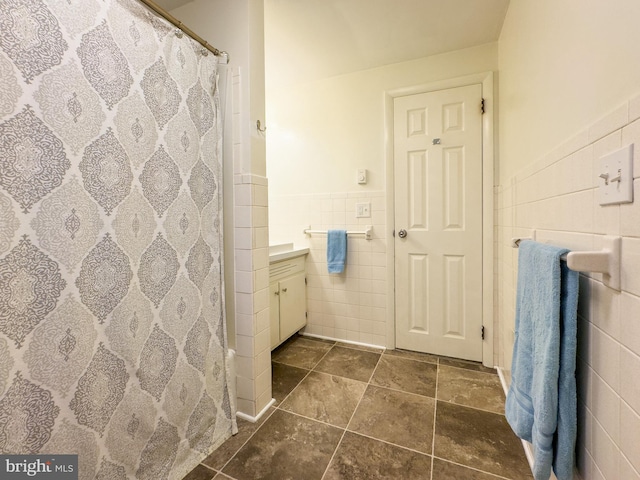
{"points": [[312, 39]]}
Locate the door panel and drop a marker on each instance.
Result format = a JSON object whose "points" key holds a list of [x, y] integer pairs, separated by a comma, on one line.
{"points": [[292, 305], [438, 202]]}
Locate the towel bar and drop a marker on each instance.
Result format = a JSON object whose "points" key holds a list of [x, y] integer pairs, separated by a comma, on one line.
{"points": [[368, 232], [605, 261]]}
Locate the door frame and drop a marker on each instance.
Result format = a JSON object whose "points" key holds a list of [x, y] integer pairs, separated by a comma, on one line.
{"points": [[488, 140]]}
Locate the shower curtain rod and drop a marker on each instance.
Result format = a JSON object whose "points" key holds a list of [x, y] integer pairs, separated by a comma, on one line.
{"points": [[170, 18]]}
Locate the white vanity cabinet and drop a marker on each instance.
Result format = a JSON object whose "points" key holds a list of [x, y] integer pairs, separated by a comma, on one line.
{"points": [[287, 298]]}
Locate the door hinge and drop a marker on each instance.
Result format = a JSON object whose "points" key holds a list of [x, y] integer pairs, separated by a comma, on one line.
{"points": [[305, 280], [306, 314], [483, 332], [482, 106]]}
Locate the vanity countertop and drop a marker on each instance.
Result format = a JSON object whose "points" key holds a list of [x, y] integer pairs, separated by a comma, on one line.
{"points": [[285, 251]]}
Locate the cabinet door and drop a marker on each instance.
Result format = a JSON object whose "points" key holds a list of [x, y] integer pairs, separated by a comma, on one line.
{"points": [[293, 305], [274, 313]]}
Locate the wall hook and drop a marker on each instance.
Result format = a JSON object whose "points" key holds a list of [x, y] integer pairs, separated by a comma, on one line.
{"points": [[259, 127]]}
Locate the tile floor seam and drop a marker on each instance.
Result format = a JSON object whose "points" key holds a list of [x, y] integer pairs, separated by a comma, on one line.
{"points": [[359, 402], [435, 412], [469, 406], [413, 450], [330, 375], [403, 391], [277, 406], [333, 454], [346, 429], [241, 447], [373, 372], [469, 370], [392, 355], [345, 443], [311, 418], [380, 350], [472, 468], [322, 358]]}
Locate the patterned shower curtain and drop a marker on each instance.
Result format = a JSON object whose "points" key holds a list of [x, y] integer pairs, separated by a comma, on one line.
{"points": [[112, 332]]}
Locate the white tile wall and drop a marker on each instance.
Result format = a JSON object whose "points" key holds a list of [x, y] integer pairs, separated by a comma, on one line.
{"points": [[350, 306], [251, 289], [557, 196]]}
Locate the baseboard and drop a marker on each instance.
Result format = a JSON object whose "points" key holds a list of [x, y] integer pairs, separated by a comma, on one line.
{"points": [[528, 448], [251, 419], [322, 337]]}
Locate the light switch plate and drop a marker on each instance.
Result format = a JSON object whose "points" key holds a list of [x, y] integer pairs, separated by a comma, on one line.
{"points": [[618, 164], [362, 176], [363, 210]]}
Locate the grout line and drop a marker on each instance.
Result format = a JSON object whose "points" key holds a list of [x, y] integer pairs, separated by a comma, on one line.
{"points": [[403, 391], [350, 419], [404, 447], [277, 406], [344, 432], [470, 468], [233, 456], [435, 413], [346, 429], [313, 419], [242, 446], [469, 370], [373, 372], [473, 408]]}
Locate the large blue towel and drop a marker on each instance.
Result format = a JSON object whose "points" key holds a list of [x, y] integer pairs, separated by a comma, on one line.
{"points": [[336, 250], [541, 402]]}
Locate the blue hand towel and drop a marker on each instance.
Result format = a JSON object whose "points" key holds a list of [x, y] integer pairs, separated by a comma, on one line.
{"points": [[336, 250], [541, 402]]}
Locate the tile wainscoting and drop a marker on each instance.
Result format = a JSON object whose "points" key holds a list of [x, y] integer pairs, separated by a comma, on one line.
{"points": [[351, 306], [558, 197]]}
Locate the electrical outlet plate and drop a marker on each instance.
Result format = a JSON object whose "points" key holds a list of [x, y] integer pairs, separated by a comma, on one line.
{"points": [[618, 164], [363, 210]]}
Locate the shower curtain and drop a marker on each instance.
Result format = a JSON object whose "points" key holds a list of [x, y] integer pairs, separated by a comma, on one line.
{"points": [[112, 332]]}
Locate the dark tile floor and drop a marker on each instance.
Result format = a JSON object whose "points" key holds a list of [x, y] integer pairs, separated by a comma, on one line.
{"points": [[351, 413]]}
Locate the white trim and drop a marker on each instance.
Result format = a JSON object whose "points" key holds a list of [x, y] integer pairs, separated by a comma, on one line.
{"points": [[528, 448], [503, 380], [488, 160], [251, 419], [322, 337]]}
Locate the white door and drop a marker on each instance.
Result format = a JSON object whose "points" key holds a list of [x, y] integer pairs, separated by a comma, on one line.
{"points": [[438, 222]]}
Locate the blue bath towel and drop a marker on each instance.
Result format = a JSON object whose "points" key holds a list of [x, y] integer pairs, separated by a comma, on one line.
{"points": [[541, 402], [336, 250]]}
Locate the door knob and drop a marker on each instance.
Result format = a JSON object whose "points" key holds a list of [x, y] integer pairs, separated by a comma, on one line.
{"points": [[402, 233], [284, 290]]}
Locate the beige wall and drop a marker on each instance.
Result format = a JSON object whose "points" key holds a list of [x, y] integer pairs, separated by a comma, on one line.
{"points": [[569, 79], [319, 134], [563, 64]]}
